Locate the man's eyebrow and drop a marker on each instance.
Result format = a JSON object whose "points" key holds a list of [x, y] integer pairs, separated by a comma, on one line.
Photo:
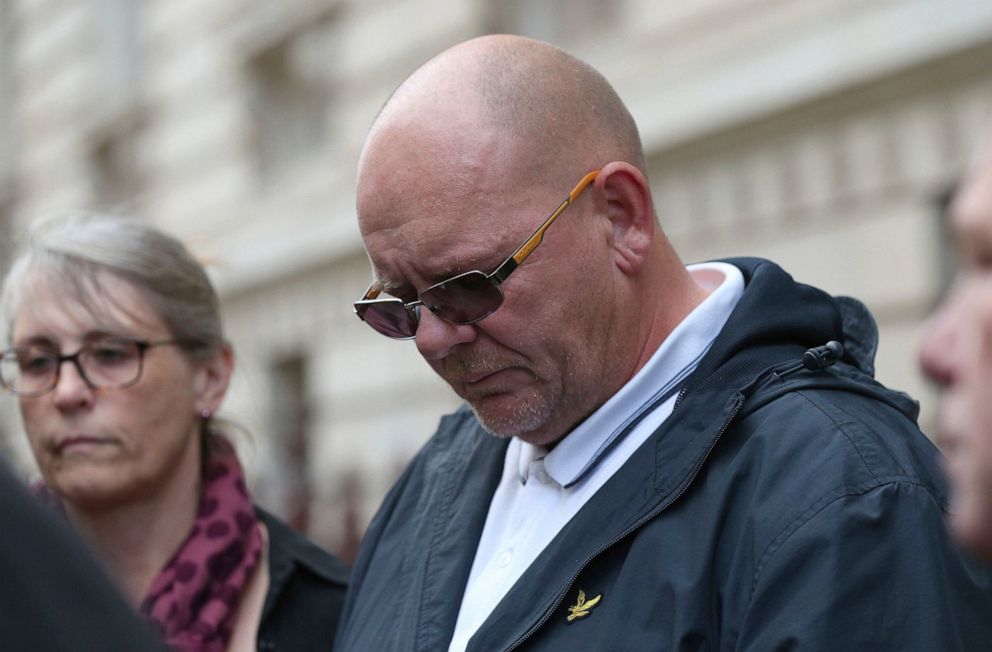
{"points": [[968, 233], [483, 261], [980, 249], [390, 287], [394, 287]]}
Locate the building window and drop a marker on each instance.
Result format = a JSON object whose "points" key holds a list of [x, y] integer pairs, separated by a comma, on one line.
{"points": [[947, 263], [116, 175], [289, 101], [115, 111], [292, 432], [556, 21]]}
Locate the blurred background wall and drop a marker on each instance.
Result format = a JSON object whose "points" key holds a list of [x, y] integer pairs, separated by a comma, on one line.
{"points": [[825, 134]]}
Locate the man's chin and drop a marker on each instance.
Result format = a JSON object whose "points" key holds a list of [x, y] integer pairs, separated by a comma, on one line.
{"points": [[506, 415]]}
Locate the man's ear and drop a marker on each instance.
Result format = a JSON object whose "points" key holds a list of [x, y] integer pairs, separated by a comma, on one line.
{"points": [[212, 378], [629, 207]]}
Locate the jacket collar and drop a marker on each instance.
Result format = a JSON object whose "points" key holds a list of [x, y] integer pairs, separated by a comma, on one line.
{"points": [[288, 550]]}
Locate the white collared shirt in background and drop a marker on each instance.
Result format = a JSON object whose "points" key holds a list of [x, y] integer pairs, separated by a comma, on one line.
{"points": [[541, 491]]}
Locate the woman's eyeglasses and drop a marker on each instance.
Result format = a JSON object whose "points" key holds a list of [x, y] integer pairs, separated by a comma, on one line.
{"points": [[106, 363], [463, 299]]}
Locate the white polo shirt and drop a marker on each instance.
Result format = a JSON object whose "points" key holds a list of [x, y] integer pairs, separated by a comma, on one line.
{"points": [[541, 491]]}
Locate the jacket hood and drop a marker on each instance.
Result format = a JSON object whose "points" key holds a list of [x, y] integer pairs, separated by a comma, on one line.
{"points": [[775, 322]]}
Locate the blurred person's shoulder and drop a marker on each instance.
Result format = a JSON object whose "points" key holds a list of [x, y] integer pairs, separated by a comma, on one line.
{"points": [[54, 595]]}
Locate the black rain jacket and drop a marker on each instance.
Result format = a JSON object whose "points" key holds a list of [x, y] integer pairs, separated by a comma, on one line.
{"points": [[780, 507]]}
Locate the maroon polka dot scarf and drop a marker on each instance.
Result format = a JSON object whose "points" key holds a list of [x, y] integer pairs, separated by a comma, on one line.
{"points": [[192, 602]]}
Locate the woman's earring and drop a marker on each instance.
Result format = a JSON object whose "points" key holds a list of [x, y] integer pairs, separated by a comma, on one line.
{"points": [[205, 414]]}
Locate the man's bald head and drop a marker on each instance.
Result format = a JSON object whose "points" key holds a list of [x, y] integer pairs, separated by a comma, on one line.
{"points": [[561, 114]]}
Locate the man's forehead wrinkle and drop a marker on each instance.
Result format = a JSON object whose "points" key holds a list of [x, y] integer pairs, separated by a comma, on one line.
{"points": [[444, 211], [456, 182], [404, 265]]}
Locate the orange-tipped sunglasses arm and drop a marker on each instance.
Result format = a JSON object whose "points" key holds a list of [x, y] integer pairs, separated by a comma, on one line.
{"points": [[526, 248]]}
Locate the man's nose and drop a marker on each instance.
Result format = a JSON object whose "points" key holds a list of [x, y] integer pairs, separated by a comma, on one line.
{"points": [[939, 347], [436, 337]]}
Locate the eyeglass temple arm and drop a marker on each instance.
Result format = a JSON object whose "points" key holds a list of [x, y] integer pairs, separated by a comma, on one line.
{"points": [[520, 255], [372, 292]]}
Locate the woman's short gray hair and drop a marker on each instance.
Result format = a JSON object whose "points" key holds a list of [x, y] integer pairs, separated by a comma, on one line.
{"points": [[72, 254]]}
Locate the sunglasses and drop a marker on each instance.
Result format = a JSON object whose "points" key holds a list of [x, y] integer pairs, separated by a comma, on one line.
{"points": [[466, 298]]}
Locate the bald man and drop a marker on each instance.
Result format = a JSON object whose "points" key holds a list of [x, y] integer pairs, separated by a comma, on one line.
{"points": [[957, 353], [651, 456]]}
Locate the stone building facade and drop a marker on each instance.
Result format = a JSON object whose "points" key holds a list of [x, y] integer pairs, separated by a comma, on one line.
{"points": [[823, 134]]}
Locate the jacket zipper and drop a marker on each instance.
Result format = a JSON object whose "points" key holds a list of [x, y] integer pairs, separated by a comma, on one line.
{"points": [[636, 526]]}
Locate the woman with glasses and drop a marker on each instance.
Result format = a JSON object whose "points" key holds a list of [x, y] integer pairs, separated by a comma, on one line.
{"points": [[118, 362]]}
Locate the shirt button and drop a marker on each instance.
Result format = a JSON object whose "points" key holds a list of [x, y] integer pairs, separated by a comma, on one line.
{"points": [[504, 558]]}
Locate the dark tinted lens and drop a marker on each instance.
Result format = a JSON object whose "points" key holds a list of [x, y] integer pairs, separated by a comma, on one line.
{"points": [[463, 299], [389, 318]]}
